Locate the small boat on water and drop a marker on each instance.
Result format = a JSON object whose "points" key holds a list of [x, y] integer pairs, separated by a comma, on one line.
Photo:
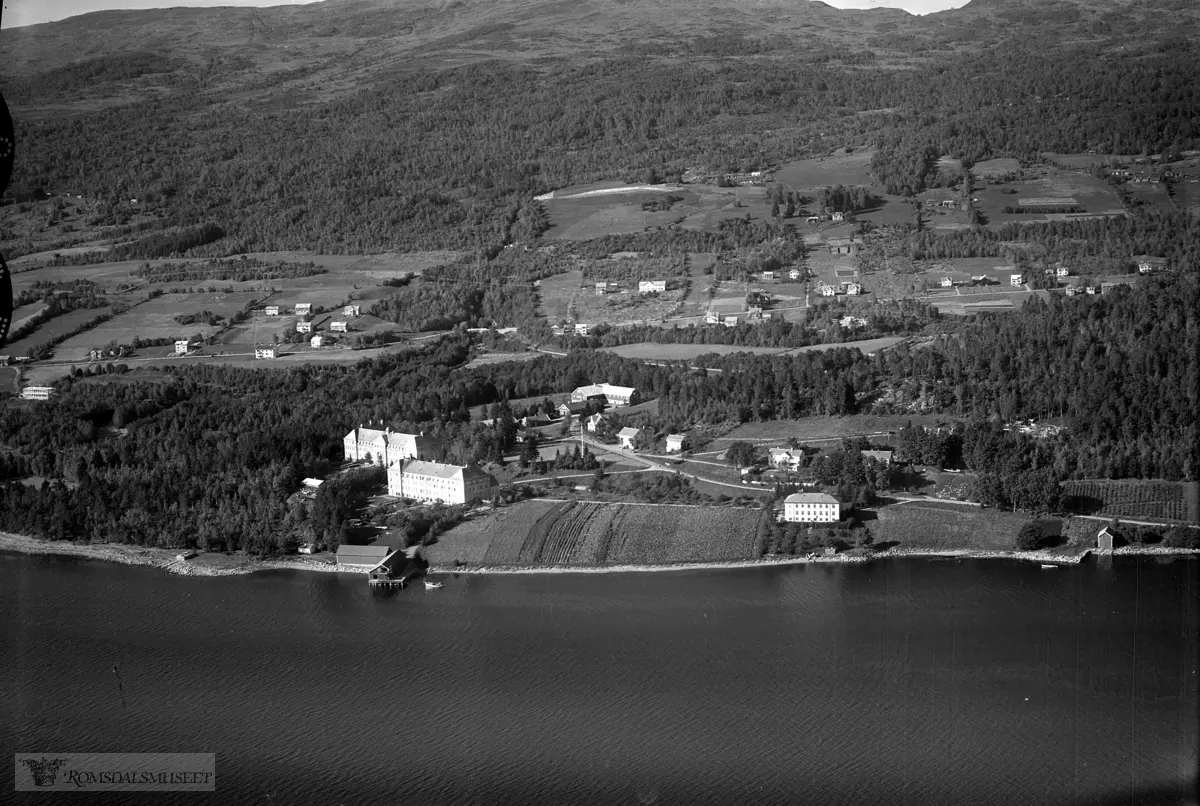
{"points": [[1044, 565], [431, 584]]}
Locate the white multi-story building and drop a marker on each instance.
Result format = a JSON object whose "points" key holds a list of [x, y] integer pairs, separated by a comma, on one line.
{"points": [[271, 310], [389, 447], [304, 327], [337, 327], [652, 286], [303, 308], [1016, 280], [811, 508], [264, 352], [677, 443], [37, 392], [351, 310], [316, 341], [182, 346], [615, 395], [434, 481]]}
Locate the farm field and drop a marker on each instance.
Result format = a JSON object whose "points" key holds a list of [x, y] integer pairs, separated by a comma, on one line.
{"points": [[53, 329], [936, 525], [570, 533], [1094, 196], [996, 167], [866, 346], [684, 352], [1155, 500], [1151, 194], [154, 319], [808, 174], [578, 217], [568, 298]]}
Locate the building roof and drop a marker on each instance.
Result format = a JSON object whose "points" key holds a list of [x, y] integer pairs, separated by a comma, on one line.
{"points": [[392, 438], [810, 498], [574, 408], [442, 471], [629, 433], [677, 437], [785, 452], [604, 389], [882, 456], [372, 555]]}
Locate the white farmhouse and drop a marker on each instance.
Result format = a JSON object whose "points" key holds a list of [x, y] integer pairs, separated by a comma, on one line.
{"points": [[264, 352], [811, 508], [271, 310], [785, 458], [351, 310], [304, 327], [1016, 280], [652, 286], [182, 346], [628, 437], [337, 327], [677, 443], [303, 308], [316, 341]]}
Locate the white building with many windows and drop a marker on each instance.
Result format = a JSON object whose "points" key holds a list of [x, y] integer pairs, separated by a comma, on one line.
{"points": [[388, 447], [811, 508], [37, 393], [433, 481]]}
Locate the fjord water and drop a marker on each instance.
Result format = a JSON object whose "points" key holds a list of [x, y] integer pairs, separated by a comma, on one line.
{"points": [[905, 681]]}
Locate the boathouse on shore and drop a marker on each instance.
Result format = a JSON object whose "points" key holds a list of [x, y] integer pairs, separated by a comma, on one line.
{"points": [[361, 558]]}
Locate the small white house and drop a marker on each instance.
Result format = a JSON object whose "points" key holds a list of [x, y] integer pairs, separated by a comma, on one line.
{"points": [[593, 422], [1062, 271], [581, 330], [628, 437], [601, 288], [304, 327], [1149, 263], [677, 443], [794, 274], [826, 290], [337, 327], [853, 289], [652, 286], [351, 310], [312, 484], [712, 318], [1073, 290], [947, 282], [182, 346], [316, 341], [730, 321], [839, 216], [785, 458], [271, 310], [264, 352], [1016, 280], [303, 308]]}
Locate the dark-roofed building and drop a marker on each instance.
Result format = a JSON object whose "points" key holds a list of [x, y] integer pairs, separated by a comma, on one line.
{"points": [[361, 558]]}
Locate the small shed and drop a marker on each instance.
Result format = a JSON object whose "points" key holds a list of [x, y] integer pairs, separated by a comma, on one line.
{"points": [[1106, 539], [677, 443]]}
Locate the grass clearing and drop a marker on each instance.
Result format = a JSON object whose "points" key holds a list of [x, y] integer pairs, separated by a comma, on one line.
{"points": [[813, 429], [866, 346], [936, 525], [684, 352]]}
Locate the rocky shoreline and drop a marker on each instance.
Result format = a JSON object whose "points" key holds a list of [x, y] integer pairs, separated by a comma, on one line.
{"points": [[169, 561]]}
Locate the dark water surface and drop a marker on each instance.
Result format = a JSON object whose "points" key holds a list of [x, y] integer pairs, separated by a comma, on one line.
{"points": [[898, 682]]}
